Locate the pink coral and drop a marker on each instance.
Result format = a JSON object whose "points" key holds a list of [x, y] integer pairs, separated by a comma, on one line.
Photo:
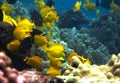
{"points": [[11, 75]]}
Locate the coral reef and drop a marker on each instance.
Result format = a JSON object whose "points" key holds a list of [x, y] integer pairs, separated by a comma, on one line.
{"points": [[33, 44], [106, 30], [19, 10], [71, 19], [6, 36], [86, 73], [85, 45], [11, 75], [6, 31], [74, 55]]}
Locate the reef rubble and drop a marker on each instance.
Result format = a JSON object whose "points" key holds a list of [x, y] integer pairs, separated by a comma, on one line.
{"points": [[86, 73]]}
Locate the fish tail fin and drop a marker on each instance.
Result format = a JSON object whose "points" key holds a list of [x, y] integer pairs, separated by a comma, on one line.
{"points": [[25, 58]]}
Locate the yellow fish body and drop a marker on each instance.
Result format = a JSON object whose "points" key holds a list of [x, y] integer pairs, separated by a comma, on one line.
{"points": [[40, 40], [90, 6], [23, 29], [53, 71], [49, 16], [34, 61], [56, 50], [56, 55], [77, 6], [13, 45], [81, 58], [114, 7], [9, 19], [25, 23], [6, 7], [39, 3]]}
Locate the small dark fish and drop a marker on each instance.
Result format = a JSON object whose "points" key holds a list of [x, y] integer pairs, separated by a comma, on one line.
{"points": [[97, 3], [1, 15], [50, 3], [36, 17], [106, 3], [11, 1], [36, 32], [26, 45]]}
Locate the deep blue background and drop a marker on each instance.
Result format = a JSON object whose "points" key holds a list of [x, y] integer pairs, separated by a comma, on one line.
{"points": [[63, 5]]}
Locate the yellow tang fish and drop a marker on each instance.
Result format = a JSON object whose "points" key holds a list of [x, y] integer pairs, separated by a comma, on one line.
{"points": [[91, 6], [53, 71], [114, 7], [13, 45], [6, 7], [81, 58], [40, 40], [77, 6], [56, 50], [34, 61], [9, 19]]}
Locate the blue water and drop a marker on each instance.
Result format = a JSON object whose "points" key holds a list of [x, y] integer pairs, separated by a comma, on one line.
{"points": [[63, 5]]}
